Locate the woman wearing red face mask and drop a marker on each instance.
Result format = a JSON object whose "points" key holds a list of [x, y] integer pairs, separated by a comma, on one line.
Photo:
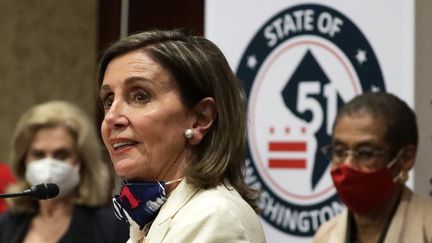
{"points": [[374, 145]]}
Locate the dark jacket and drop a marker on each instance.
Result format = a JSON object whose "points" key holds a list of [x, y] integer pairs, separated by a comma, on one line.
{"points": [[88, 225]]}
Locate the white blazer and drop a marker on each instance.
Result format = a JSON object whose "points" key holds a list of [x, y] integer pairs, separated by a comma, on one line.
{"points": [[196, 215]]}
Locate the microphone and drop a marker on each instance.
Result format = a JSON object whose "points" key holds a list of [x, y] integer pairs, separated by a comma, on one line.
{"points": [[40, 191]]}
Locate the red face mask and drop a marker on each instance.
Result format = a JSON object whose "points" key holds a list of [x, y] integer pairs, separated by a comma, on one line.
{"points": [[362, 191]]}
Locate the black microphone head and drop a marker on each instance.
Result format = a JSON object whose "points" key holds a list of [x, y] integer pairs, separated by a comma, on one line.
{"points": [[44, 191]]}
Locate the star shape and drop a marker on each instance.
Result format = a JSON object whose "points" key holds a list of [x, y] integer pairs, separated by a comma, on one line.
{"points": [[252, 62], [375, 88], [361, 56]]}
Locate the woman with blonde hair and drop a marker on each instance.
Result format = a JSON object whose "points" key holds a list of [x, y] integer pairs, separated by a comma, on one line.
{"points": [[55, 142]]}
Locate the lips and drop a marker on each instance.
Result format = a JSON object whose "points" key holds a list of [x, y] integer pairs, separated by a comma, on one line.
{"points": [[121, 144]]}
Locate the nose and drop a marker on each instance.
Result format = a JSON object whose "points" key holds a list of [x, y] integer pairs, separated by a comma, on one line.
{"points": [[115, 116], [349, 158]]}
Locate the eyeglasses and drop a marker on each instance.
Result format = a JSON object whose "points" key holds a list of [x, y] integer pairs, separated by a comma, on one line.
{"points": [[363, 155]]}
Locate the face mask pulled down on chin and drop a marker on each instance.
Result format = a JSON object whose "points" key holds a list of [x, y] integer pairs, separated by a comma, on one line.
{"points": [[139, 202]]}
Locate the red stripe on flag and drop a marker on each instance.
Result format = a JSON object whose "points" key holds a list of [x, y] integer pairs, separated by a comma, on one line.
{"points": [[287, 146], [287, 163]]}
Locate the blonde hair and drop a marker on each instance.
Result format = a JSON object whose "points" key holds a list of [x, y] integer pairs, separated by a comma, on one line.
{"points": [[94, 188]]}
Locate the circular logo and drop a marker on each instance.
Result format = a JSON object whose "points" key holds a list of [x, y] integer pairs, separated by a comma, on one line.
{"points": [[299, 68]]}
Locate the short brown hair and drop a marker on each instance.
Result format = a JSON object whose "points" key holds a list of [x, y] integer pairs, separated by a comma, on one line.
{"points": [[400, 120], [200, 70]]}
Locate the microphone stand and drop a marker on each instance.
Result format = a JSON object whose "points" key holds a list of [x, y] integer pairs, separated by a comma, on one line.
{"points": [[40, 191], [9, 195]]}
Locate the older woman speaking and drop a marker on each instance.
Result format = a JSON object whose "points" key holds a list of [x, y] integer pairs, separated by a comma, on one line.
{"points": [[174, 126]]}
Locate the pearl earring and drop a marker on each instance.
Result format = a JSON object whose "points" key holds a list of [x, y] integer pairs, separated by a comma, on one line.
{"points": [[189, 133], [403, 177]]}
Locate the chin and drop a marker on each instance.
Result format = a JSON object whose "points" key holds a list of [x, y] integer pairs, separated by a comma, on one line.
{"points": [[121, 174], [123, 170], [128, 174]]}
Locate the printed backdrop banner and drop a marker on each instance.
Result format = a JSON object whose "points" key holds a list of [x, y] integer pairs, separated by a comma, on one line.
{"points": [[300, 61]]}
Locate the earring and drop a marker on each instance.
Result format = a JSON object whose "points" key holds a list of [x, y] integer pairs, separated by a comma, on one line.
{"points": [[189, 133], [403, 176]]}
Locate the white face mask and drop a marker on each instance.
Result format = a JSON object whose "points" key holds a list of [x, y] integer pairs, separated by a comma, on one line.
{"points": [[50, 170]]}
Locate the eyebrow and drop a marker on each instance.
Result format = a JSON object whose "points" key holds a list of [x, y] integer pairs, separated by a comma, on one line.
{"points": [[129, 81], [367, 143], [63, 147]]}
